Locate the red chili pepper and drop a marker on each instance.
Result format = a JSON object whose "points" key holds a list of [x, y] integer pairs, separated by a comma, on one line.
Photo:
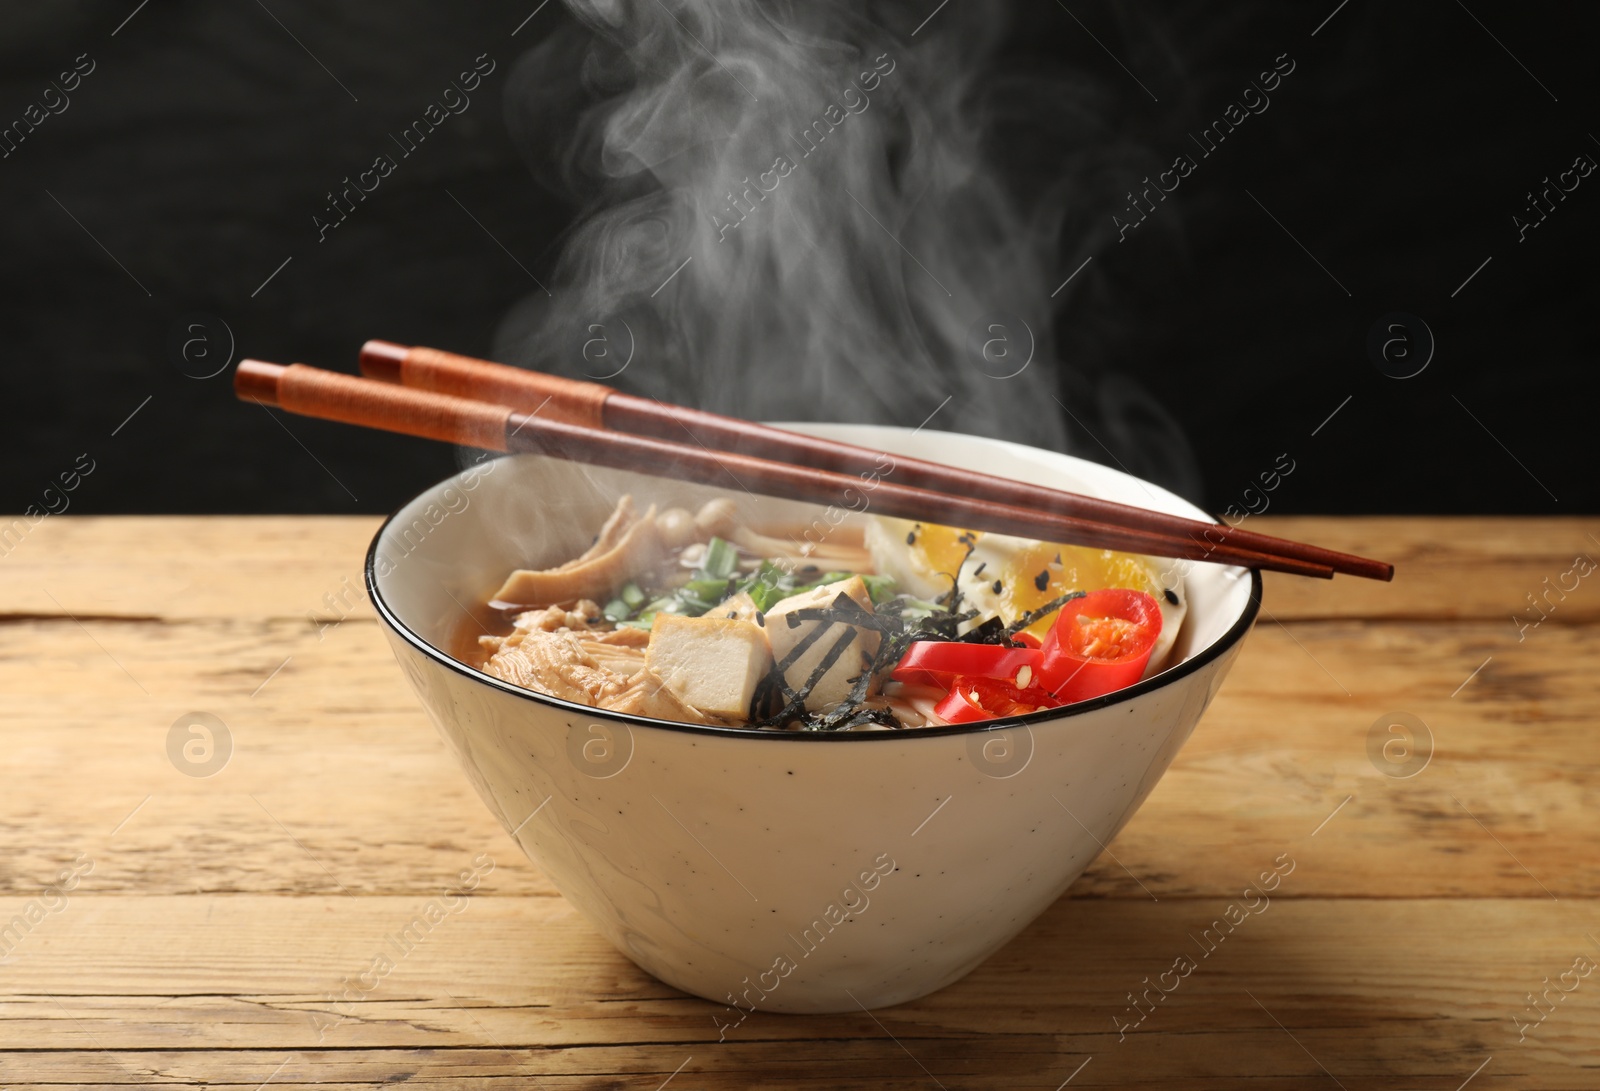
{"points": [[1099, 644], [972, 699], [958, 708], [938, 662]]}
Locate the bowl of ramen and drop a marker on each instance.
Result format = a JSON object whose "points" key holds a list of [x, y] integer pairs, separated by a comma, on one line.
{"points": [[791, 758]]}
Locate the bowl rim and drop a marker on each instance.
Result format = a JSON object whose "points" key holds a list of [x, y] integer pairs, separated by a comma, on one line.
{"points": [[1207, 655]]}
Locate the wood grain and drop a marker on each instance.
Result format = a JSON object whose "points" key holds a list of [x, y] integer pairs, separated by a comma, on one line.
{"points": [[1445, 568], [221, 914], [518, 987]]}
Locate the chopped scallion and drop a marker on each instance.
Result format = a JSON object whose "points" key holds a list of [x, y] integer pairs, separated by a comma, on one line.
{"points": [[880, 588], [721, 559]]}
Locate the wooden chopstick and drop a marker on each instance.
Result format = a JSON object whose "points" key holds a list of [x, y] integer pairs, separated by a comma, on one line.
{"points": [[599, 406], [331, 396]]}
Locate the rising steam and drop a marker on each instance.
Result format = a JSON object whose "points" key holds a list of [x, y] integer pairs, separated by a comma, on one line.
{"points": [[792, 211]]}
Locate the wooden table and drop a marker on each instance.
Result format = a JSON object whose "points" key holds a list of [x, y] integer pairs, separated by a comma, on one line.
{"points": [[218, 925]]}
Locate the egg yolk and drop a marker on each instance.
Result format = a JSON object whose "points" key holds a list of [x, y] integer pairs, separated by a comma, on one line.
{"points": [[1066, 568], [1037, 572], [941, 549]]}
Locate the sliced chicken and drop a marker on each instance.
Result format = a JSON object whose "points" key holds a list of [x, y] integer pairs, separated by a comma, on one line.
{"points": [[556, 651], [553, 651], [647, 696], [556, 664], [619, 659], [582, 615]]}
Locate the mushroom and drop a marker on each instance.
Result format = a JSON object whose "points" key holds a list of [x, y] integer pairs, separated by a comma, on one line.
{"points": [[627, 545]]}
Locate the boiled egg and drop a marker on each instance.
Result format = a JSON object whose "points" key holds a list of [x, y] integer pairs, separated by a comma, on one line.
{"points": [[1007, 577]]}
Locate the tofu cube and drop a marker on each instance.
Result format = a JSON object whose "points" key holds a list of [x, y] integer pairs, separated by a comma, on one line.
{"points": [[834, 686], [740, 606], [709, 663]]}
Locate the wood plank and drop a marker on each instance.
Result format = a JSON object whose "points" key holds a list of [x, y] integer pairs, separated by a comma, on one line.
{"points": [[1450, 568], [330, 758], [176, 567], [1380, 993], [333, 756]]}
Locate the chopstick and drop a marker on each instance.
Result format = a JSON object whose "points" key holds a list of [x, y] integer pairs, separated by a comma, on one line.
{"points": [[329, 395], [599, 406]]}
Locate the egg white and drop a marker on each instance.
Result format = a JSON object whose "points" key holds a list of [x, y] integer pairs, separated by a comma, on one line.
{"points": [[994, 553]]}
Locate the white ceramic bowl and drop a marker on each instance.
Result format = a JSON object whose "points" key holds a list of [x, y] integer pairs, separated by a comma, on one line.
{"points": [[777, 871]]}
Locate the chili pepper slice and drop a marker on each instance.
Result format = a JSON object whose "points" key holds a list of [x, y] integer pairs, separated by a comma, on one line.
{"points": [[973, 699], [939, 662], [1099, 644]]}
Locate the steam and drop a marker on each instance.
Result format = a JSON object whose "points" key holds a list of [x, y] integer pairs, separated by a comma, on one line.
{"points": [[797, 211]]}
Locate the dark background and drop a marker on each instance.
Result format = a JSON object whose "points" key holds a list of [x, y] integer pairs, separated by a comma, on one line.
{"points": [[1397, 152]]}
